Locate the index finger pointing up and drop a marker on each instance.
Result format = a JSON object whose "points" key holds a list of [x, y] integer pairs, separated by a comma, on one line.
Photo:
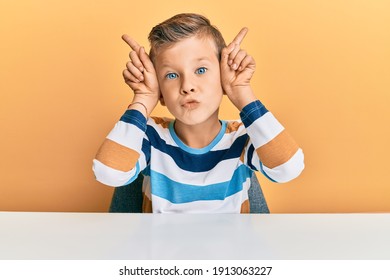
{"points": [[131, 42], [240, 36]]}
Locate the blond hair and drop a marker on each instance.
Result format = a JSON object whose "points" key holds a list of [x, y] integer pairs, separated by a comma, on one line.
{"points": [[182, 26]]}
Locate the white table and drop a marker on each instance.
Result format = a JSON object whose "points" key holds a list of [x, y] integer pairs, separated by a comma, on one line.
{"points": [[94, 236]]}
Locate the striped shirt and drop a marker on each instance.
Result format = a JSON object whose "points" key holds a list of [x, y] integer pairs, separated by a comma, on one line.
{"points": [[216, 178]]}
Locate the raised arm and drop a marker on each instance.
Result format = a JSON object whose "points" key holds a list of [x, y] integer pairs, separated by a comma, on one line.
{"points": [[277, 155], [124, 152]]}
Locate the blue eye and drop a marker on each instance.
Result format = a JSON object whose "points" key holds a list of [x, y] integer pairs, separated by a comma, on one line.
{"points": [[171, 76], [201, 70]]}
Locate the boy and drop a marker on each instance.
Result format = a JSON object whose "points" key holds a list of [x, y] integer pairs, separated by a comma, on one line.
{"points": [[195, 163]]}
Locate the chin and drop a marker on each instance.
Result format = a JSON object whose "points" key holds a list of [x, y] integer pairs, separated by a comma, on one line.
{"points": [[189, 121], [193, 119]]}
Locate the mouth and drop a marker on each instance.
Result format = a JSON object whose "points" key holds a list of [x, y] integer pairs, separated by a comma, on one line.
{"points": [[190, 104]]}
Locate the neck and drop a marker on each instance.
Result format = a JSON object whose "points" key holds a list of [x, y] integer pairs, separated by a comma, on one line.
{"points": [[199, 135]]}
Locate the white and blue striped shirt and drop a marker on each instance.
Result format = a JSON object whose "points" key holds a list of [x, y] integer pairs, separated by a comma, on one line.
{"points": [[216, 178]]}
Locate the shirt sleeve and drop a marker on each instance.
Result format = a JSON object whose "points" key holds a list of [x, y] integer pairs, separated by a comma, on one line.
{"points": [[122, 156], [271, 149]]}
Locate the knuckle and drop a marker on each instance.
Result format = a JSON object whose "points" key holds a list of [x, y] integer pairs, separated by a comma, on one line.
{"points": [[137, 64], [133, 55]]}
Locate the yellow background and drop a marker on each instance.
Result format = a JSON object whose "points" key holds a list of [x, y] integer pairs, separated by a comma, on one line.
{"points": [[323, 68]]}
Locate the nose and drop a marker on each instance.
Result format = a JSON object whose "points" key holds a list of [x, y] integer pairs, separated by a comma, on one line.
{"points": [[187, 86]]}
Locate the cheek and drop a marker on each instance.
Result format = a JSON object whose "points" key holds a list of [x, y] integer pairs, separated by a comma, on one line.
{"points": [[216, 75], [215, 80], [164, 88], [166, 91]]}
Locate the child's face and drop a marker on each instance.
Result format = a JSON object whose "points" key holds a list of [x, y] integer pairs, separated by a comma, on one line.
{"points": [[189, 78]]}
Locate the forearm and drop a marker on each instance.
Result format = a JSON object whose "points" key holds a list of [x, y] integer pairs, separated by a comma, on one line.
{"points": [[116, 161], [281, 157]]}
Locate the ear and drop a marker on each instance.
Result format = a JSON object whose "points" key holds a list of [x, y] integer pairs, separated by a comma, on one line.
{"points": [[162, 99]]}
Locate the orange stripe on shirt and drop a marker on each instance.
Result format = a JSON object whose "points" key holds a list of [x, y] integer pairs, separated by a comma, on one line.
{"points": [[146, 204], [232, 126], [117, 156], [277, 151], [245, 207], [164, 122]]}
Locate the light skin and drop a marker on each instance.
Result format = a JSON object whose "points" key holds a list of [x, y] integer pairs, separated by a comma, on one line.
{"points": [[190, 80]]}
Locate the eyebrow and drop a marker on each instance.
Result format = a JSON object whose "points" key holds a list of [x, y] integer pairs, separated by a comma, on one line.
{"points": [[203, 58]]}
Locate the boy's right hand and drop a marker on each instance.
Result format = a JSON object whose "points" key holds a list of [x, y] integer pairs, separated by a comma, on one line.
{"points": [[141, 76]]}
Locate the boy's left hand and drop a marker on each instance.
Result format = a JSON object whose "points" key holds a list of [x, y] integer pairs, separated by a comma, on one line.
{"points": [[237, 68]]}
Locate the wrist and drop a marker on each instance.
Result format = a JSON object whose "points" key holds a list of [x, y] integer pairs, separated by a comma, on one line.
{"points": [[241, 96], [139, 106], [143, 105]]}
